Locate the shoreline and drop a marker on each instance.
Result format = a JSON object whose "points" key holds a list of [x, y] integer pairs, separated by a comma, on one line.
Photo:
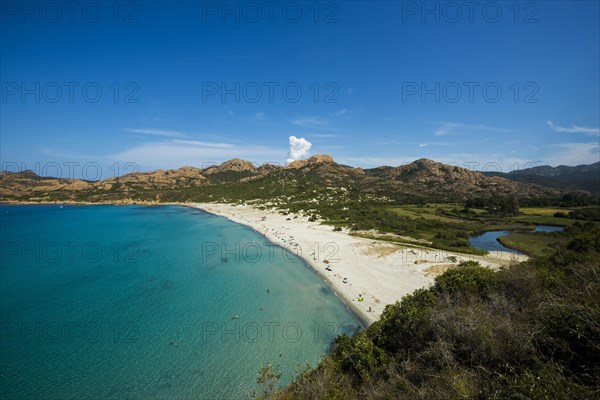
{"points": [[351, 308], [379, 272]]}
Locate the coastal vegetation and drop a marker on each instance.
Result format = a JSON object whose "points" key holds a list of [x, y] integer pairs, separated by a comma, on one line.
{"points": [[430, 203], [530, 330], [534, 243]]}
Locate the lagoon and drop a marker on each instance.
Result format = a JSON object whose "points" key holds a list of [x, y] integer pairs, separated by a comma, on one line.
{"points": [[489, 240]]}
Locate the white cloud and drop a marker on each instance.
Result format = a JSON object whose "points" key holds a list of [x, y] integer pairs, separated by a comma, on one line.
{"points": [[311, 122], [573, 154], [61, 153], [574, 129], [342, 112], [204, 144], [315, 122], [299, 148], [449, 127], [441, 132], [176, 153], [261, 116], [157, 132], [324, 135]]}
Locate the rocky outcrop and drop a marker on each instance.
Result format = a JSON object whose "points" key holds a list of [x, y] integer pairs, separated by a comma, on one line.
{"points": [[312, 161], [234, 165]]}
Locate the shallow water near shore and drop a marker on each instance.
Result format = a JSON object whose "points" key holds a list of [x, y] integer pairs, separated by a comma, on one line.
{"points": [[151, 302]]}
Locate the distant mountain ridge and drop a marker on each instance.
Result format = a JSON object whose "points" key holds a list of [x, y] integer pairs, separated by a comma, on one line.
{"points": [[236, 179], [581, 177]]}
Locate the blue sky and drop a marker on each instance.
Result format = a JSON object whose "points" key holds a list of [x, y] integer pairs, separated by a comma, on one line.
{"points": [[166, 84]]}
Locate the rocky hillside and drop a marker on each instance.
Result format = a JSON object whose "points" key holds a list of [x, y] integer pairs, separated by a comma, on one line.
{"points": [[312, 161], [427, 176], [234, 165], [28, 186], [581, 177], [238, 179]]}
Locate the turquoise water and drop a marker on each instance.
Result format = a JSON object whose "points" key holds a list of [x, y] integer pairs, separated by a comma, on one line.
{"points": [[137, 303]]}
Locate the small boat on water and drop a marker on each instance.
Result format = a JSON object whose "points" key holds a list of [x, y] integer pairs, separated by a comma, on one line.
{"points": [[236, 317]]}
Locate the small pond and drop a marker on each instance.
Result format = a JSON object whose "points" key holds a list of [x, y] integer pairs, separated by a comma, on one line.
{"points": [[489, 240]]}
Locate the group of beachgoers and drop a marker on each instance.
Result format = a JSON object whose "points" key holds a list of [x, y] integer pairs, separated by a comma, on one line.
{"points": [[286, 240], [344, 280], [283, 238]]}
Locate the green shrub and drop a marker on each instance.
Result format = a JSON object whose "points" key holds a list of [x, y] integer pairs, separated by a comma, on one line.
{"points": [[358, 356], [530, 330], [405, 325], [468, 277]]}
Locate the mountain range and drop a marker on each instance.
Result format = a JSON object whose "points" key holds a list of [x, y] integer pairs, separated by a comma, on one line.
{"points": [[581, 177], [421, 180]]}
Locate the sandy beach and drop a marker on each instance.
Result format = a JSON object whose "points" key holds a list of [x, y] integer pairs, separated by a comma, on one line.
{"points": [[352, 266], [379, 272]]}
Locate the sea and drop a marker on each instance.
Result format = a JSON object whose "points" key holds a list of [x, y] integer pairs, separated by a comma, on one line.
{"points": [[152, 302]]}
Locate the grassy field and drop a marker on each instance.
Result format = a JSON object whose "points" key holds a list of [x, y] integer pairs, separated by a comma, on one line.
{"points": [[534, 244], [449, 226], [427, 212], [544, 220], [480, 220], [543, 211], [446, 219], [544, 216]]}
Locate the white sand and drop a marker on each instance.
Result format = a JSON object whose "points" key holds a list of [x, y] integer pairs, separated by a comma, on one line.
{"points": [[381, 272]]}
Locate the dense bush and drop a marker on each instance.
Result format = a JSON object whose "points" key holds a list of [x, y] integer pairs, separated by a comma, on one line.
{"points": [[587, 214], [528, 331], [578, 199]]}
